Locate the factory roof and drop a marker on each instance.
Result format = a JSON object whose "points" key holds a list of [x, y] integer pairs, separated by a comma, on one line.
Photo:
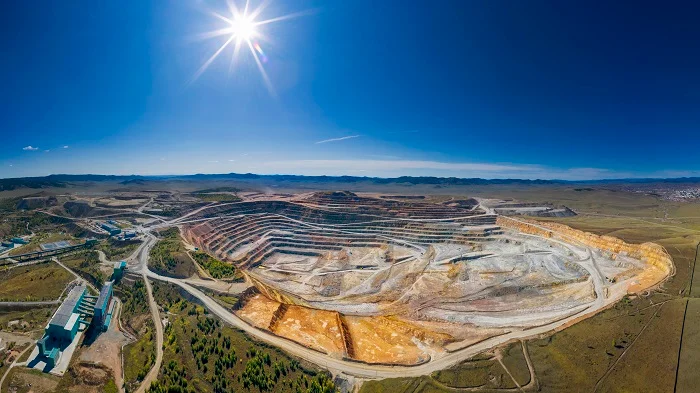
{"points": [[72, 321], [65, 310], [104, 295]]}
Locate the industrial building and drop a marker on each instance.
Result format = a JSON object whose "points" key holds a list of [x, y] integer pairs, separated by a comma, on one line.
{"points": [[65, 324], [103, 306], [19, 240], [118, 272], [65, 321], [111, 229]]}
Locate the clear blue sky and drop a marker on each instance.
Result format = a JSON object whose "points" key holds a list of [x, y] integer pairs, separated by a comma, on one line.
{"points": [[530, 89]]}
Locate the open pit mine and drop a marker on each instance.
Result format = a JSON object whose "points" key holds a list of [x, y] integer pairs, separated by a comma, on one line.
{"points": [[399, 282]]}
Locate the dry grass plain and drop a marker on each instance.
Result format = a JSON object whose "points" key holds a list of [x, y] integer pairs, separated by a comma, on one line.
{"points": [[43, 281]]}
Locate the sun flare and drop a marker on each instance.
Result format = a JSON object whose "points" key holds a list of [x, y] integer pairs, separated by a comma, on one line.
{"points": [[243, 28]]}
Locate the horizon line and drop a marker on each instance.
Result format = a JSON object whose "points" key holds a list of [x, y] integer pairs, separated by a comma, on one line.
{"points": [[357, 177]]}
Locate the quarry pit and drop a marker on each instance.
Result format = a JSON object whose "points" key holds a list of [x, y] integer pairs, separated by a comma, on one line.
{"points": [[404, 282]]}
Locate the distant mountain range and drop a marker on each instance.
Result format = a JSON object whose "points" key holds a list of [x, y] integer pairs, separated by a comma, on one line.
{"points": [[67, 180]]}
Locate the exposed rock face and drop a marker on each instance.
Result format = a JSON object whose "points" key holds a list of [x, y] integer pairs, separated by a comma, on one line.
{"points": [[36, 202], [650, 253], [533, 210]]}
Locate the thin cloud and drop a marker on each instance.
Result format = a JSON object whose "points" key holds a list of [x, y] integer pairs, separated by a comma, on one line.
{"points": [[30, 148], [65, 147], [337, 139], [391, 168]]}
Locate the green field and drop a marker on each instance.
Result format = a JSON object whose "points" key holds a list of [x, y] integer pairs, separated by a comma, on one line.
{"points": [[44, 281]]}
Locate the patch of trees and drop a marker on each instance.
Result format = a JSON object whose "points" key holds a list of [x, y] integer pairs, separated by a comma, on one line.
{"points": [[163, 253], [207, 358], [174, 380], [215, 267], [136, 299]]}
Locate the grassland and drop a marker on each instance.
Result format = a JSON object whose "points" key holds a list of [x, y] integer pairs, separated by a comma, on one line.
{"points": [[44, 281], [634, 346], [482, 372], [22, 380], [26, 320], [169, 257]]}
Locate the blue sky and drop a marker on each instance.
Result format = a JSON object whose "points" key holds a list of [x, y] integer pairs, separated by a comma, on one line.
{"points": [[529, 89]]}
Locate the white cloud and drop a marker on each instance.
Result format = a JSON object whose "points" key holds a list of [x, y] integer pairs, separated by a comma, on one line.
{"points": [[231, 160], [30, 148], [46, 151], [65, 147], [337, 139]]}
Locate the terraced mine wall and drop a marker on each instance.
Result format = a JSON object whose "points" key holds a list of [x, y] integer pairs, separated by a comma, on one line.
{"points": [[322, 211], [650, 253], [275, 293]]}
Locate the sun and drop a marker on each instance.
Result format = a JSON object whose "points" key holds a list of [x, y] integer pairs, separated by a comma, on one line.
{"points": [[243, 28]]}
